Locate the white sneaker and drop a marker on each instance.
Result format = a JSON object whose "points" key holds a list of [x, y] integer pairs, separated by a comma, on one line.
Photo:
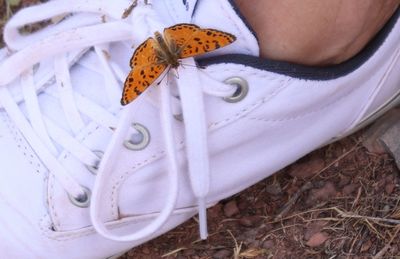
{"points": [[60, 93]]}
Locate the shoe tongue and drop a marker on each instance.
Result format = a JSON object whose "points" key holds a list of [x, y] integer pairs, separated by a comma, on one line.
{"points": [[221, 15]]}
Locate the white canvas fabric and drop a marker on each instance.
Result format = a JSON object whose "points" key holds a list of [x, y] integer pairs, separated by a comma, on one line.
{"points": [[69, 185]]}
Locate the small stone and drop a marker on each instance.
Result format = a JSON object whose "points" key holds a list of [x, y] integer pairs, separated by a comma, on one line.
{"points": [[246, 222], [254, 243], [243, 204], [250, 233], [260, 204], [349, 171], [325, 193], [268, 227], [381, 183], [344, 180], [313, 228], [349, 189], [394, 249], [317, 239], [268, 244], [389, 188], [292, 189], [389, 178], [274, 188], [386, 209], [145, 250], [221, 254], [366, 246], [372, 137], [231, 209], [250, 221], [307, 169], [391, 142], [188, 252], [214, 211]]}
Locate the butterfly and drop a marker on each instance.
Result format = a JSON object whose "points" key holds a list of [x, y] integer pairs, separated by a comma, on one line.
{"points": [[156, 54]]}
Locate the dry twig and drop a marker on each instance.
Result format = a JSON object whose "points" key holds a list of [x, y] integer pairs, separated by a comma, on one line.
{"points": [[356, 216], [383, 251], [293, 200]]}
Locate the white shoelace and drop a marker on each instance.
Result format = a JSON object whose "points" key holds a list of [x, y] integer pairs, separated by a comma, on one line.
{"points": [[65, 42]]}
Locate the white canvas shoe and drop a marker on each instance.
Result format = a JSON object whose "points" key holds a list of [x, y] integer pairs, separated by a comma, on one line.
{"points": [[82, 177]]}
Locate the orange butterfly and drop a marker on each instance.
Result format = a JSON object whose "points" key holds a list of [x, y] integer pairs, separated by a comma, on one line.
{"points": [[154, 55]]}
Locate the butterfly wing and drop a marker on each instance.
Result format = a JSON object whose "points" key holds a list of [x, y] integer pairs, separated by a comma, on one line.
{"points": [[190, 40], [146, 68]]}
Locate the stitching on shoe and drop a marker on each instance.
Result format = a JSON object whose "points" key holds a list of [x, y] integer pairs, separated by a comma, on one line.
{"points": [[115, 187], [282, 82], [62, 236], [24, 148], [18, 139], [243, 112], [117, 182], [257, 73], [300, 115], [52, 210], [234, 23]]}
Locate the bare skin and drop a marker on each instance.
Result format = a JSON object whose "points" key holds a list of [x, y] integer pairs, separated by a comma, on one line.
{"points": [[315, 32]]}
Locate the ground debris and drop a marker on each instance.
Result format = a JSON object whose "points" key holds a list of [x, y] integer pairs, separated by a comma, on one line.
{"points": [[372, 137], [391, 141], [231, 209], [353, 214], [317, 239]]}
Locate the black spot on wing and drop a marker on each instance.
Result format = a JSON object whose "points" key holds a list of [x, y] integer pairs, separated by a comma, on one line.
{"points": [[137, 91], [216, 44]]}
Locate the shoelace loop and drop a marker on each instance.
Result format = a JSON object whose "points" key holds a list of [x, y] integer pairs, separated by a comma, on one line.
{"points": [[66, 41]]}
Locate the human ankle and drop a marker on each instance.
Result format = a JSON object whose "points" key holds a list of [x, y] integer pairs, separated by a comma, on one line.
{"points": [[315, 32]]}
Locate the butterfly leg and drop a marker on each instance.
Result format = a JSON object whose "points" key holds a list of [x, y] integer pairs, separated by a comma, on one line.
{"points": [[128, 10], [165, 74]]}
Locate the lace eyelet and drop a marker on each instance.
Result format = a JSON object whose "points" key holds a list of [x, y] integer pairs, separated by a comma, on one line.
{"points": [[241, 91], [93, 168], [83, 201], [140, 140]]}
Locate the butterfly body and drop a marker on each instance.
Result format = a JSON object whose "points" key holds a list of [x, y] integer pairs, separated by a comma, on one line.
{"points": [[156, 54], [167, 53]]}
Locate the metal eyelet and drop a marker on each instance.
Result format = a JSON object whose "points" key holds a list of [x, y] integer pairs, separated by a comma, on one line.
{"points": [[93, 168], [83, 200], [241, 91], [139, 140]]}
